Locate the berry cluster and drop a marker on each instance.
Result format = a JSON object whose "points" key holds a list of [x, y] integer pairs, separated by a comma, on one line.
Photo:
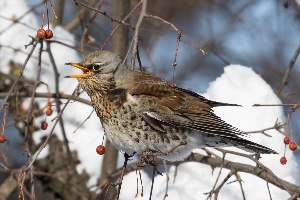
{"points": [[292, 147], [42, 33], [288, 139], [49, 111]]}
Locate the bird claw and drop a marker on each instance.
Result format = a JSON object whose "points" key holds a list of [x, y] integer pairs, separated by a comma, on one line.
{"points": [[148, 157]]}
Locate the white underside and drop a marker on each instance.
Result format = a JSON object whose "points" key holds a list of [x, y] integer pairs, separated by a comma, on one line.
{"points": [[128, 145]]}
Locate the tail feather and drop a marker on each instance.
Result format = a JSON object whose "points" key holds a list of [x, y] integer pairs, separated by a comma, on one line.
{"points": [[215, 103], [250, 146]]}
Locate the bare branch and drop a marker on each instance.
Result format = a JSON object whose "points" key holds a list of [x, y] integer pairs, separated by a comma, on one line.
{"points": [[288, 71], [259, 171]]}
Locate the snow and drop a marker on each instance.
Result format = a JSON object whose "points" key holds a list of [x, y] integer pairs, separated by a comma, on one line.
{"points": [[238, 84]]}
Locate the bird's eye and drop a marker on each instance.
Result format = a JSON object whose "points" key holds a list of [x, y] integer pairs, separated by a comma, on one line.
{"points": [[96, 67]]}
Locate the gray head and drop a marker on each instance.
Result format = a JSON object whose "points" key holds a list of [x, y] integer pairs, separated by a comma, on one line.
{"points": [[101, 61], [97, 62], [98, 69]]}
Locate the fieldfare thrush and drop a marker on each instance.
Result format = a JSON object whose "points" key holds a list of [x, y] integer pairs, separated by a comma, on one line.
{"points": [[141, 112]]}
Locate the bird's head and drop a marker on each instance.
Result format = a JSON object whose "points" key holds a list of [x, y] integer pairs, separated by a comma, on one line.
{"points": [[98, 69]]}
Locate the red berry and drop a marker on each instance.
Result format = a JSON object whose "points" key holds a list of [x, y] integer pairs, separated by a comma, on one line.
{"points": [[48, 106], [100, 149], [41, 33], [49, 112], [283, 160], [293, 146], [44, 125], [286, 140], [49, 34], [2, 138]]}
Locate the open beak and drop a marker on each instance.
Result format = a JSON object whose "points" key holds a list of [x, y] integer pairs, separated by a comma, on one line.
{"points": [[85, 70]]}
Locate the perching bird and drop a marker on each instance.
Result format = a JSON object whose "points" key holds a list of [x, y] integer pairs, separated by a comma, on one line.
{"points": [[141, 112]]}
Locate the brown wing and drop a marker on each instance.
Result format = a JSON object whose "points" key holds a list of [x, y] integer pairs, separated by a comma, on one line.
{"points": [[164, 103]]}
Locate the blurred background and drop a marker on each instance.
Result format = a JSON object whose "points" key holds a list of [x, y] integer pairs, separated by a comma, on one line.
{"points": [[263, 35]]}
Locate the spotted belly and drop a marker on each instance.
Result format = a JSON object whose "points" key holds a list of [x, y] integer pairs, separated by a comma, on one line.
{"points": [[137, 136]]}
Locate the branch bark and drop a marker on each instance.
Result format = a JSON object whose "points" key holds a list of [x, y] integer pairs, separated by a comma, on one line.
{"points": [[288, 71], [267, 175]]}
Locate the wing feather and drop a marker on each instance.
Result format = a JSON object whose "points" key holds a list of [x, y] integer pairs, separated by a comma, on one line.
{"points": [[162, 104], [167, 104]]}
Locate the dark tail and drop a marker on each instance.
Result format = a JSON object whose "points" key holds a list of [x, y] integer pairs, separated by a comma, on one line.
{"points": [[215, 103], [249, 146]]}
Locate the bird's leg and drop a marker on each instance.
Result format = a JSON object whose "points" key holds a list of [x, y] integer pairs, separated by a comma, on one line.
{"points": [[147, 157], [257, 156]]}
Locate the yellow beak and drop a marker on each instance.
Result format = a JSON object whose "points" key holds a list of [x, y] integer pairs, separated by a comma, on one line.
{"points": [[85, 71]]}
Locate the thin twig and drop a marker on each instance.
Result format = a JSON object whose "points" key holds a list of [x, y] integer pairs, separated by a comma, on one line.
{"points": [[288, 71], [20, 74], [58, 104], [43, 145], [178, 31], [29, 118], [217, 179], [81, 14], [17, 20], [152, 181], [84, 121], [105, 14], [269, 190], [277, 126], [87, 25], [284, 104], [167, 179], [238, 178], [136, 33], [119, 25], [179, 35], [46, 95], [126, 156]]}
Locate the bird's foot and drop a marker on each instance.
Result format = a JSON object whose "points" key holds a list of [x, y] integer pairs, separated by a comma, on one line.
{"points": [[148, 157]]}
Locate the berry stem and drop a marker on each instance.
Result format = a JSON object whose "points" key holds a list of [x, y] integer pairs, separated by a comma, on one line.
{"points": [[53, 11], [4, 120], [102, 140], [49, 94], [47, 13], [43, 15]]}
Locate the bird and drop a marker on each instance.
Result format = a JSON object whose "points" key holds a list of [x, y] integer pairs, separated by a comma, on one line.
{"points": [[140, 112]]}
